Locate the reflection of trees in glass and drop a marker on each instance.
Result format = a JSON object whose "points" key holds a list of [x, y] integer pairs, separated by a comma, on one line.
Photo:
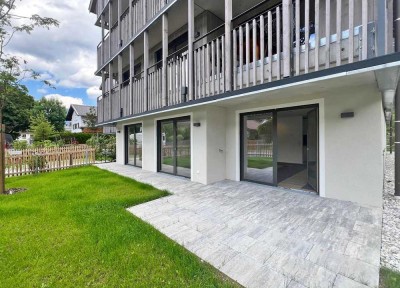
{"points": [[265, 130], [168, 131]]}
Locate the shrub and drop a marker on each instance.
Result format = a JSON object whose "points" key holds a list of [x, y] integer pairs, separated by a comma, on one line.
{"points": [[37, 162], [20, 144], [73, 138], [105, 146]]}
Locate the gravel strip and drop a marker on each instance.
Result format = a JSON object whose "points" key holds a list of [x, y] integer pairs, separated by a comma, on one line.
{"points": [[390, 253]]}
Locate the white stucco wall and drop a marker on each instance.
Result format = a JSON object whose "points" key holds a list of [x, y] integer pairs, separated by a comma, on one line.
{"points": [[350, 150], [76, 120]]}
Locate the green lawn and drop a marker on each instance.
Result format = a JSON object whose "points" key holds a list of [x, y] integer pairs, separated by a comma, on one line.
{"points": [[183, 161], [259, 162], [71, 229], [389, 278]]}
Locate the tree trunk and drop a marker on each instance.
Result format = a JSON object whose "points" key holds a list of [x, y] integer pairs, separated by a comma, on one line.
{"points": [[2, 155]]}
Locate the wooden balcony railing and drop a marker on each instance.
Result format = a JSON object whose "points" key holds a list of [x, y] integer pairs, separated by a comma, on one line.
{"points": [[154, 84], [103, 51], [284, 41], [125, 36], [138, 97], [177, 77], [115, 45], [209, 73], [101, 4]]}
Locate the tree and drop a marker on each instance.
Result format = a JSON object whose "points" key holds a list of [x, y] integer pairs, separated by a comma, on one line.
{"points": [[13, 69], [90, 119], [17, 110], [53, 110], [41, 128]]}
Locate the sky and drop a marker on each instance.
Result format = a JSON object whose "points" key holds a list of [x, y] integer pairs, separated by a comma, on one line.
{"points": [[65, 56]]}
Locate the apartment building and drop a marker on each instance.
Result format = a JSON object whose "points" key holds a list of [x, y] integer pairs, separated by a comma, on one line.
{"points": [[288, 93]]}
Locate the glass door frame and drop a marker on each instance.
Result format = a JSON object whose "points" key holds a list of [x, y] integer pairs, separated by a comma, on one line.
{"points": [[275, 142], [127, 144], [174, 122], [274, 146]]}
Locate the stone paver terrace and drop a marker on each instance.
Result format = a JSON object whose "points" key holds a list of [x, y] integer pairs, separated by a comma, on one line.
{"points": [[264, 236]]}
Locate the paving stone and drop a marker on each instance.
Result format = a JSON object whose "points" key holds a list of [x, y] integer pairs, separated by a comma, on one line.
{"points": [[352, 268], [264, 236], [301, 270], [344, 282], [240, 268]]}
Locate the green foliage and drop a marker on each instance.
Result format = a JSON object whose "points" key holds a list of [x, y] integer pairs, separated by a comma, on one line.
{"points": [[91, 118], [105, 146], [389, 278], [73, 138], [45, 144], [37, 162], [20, 144], [41, 128], [71, 229], [53, 110], [18, 104], [13, 69]]}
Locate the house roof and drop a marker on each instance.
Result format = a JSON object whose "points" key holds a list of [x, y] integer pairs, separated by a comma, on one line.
{"points": [[80, 110]]}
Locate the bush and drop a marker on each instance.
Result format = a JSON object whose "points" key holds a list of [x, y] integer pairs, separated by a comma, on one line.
{"points": [[37, 162], [20, 144], [73, 138], [44, 144], [105, 146]]}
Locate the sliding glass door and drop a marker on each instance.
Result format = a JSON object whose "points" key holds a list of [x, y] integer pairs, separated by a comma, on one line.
{"points": [[174, 152], [258, 147], [133, 143], [280, 147]]}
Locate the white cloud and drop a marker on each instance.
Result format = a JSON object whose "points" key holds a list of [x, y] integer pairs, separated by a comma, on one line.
{"points": [[65, 100], [42, 91], [65, 56], [93, 92]]}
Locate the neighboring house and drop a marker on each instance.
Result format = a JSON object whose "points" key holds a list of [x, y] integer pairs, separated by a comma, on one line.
{"points": [[76, 115], [275, 92], [76, 120], [68, 126], [25, 136]]}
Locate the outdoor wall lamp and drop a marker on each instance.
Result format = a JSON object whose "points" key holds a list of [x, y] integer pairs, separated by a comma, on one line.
{"points": [[118, 131], [347, 115], [197, 124]]}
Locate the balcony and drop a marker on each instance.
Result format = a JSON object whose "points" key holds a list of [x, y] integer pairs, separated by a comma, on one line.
{"points": [[132, 21], [280, 42]]}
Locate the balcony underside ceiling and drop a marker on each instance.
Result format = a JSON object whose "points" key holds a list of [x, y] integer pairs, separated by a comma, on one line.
{"points": [[315, 87]]}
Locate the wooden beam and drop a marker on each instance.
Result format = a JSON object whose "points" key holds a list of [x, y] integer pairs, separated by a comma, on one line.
{"points": [[164, 59], [228, 45], [119, 23], [111, 80], [145, 68], [130, 22], [120, 85], [327, 34], [190, 47], [102, 38], [287, 30], [110, 23], [131, 74]]}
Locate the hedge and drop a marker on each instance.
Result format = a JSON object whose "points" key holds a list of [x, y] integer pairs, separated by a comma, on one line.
{"points": [[69, 137]]}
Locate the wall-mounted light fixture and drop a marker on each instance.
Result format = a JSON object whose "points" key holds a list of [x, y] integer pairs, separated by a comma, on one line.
{"points": [[347, 115], [118, 131], [197, 124]]}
